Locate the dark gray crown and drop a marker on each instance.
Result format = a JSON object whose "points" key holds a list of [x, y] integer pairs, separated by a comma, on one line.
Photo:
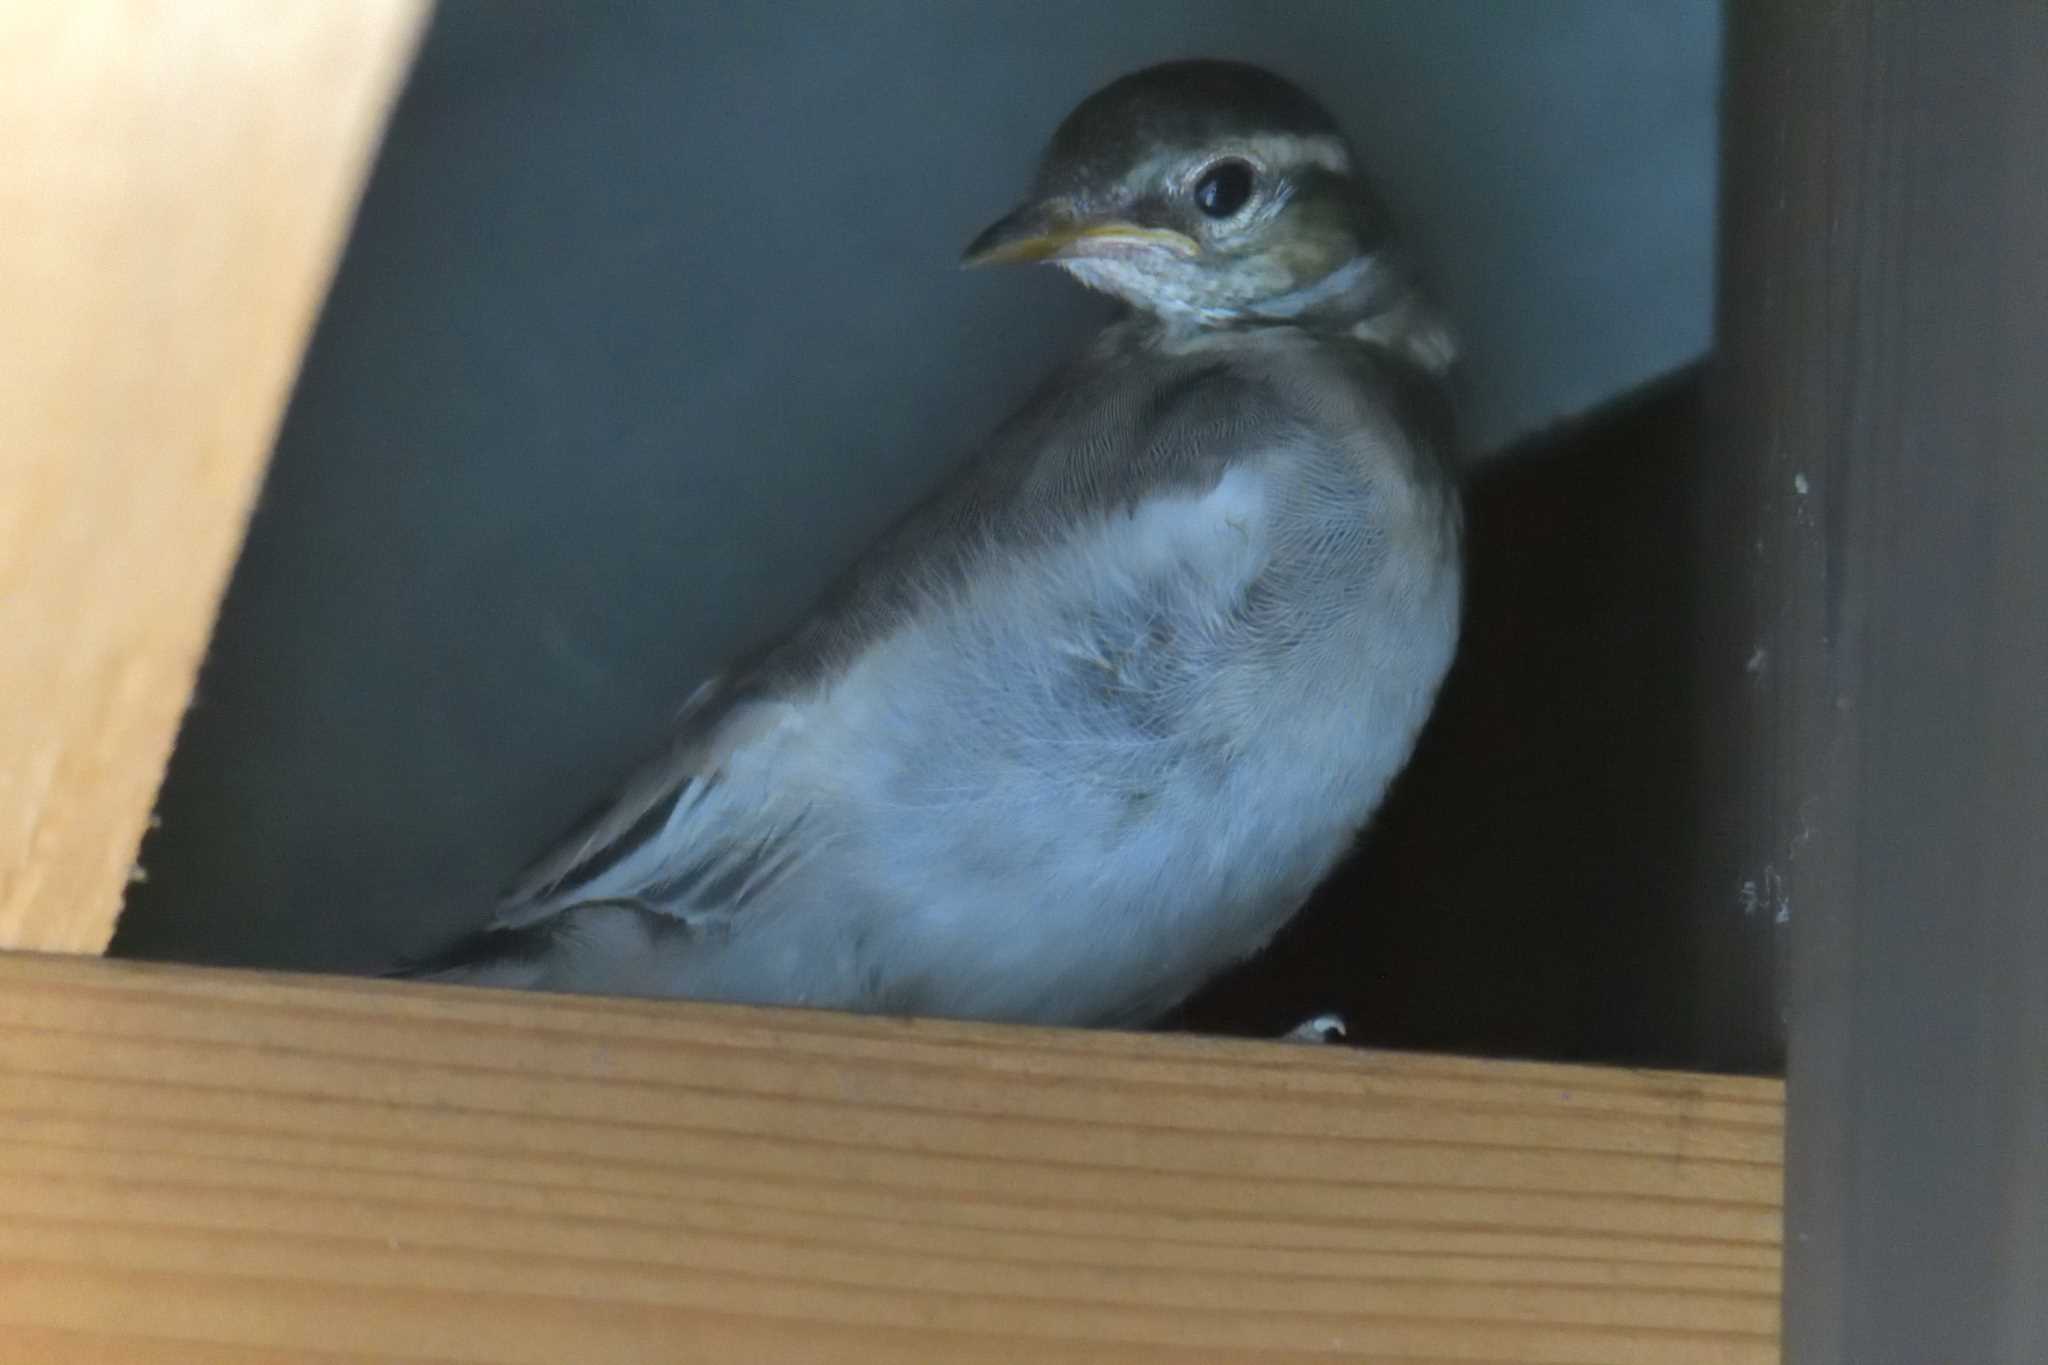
{"points": [[1176, 104]]}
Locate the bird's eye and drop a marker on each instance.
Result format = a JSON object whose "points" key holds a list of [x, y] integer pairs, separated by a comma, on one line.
{"points": [[1224, 188]]}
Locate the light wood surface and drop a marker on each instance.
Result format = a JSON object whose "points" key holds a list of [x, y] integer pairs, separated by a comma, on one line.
{"points": [[222, 1166], [175, 181]]}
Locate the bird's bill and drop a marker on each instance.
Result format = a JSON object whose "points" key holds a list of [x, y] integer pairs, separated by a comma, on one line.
{"points": [[1034, 233]]}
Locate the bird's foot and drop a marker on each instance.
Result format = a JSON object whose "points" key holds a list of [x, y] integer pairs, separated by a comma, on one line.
{"points": [[1324, 1028]]}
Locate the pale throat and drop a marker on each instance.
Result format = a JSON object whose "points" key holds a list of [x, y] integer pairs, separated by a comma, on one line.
{"points": [[1255, 288], [1352, 288], [1364, 298]]}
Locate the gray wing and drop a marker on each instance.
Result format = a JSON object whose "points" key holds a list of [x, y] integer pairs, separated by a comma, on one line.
{"points": [[709, 825], [698, 832], [691, 839], [684, 838]]}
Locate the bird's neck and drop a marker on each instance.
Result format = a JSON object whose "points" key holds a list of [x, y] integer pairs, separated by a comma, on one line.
{"points": [[1367, 299], [1411, 328]]}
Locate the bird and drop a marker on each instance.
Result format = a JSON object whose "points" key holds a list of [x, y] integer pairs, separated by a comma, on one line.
{"points": [[1089, 724]]}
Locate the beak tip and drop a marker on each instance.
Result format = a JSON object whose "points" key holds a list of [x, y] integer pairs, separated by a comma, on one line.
{"points": [[1032, 234], [1019, 237], [986, 249], [1010, 250]]}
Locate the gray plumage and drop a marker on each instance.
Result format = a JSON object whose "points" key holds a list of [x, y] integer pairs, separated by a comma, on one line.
{"points": [[1088, 725]]}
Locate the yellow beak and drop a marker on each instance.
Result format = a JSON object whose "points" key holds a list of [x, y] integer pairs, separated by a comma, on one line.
{"points": [[1034, 233]]}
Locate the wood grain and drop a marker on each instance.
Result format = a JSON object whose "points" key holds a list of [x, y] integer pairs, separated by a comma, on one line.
{"points": [[1883, 476], [174, 187], [224, 1166]]}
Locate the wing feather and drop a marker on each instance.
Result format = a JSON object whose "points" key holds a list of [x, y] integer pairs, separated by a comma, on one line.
{"points": [[685, 838]]}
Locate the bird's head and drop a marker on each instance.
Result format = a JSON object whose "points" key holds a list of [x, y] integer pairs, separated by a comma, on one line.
{"points": [[1208, 193]]}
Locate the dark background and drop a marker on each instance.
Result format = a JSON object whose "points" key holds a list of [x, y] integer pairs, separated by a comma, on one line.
{"points": [[1530, 887], [649, 321]]}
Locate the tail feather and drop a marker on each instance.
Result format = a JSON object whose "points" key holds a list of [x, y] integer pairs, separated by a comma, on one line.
{"points": [[597, 946]]}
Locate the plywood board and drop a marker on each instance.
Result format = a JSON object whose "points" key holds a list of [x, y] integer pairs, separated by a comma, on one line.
{"points": [[218, 1166], [174, 187]]}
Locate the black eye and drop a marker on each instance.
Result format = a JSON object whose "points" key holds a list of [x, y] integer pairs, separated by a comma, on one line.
{"points": [[1224, 188]]}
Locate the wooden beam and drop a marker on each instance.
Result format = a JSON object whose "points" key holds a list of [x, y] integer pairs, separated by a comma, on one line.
{"points": [[174, 191], [1884, 338], [203, 1165]]}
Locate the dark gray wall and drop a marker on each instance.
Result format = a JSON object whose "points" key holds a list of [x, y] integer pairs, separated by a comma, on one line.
{"points": [[650, 321]]}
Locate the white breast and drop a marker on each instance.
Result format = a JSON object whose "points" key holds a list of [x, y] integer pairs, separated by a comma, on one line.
{"points": [[1075, 788]]}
